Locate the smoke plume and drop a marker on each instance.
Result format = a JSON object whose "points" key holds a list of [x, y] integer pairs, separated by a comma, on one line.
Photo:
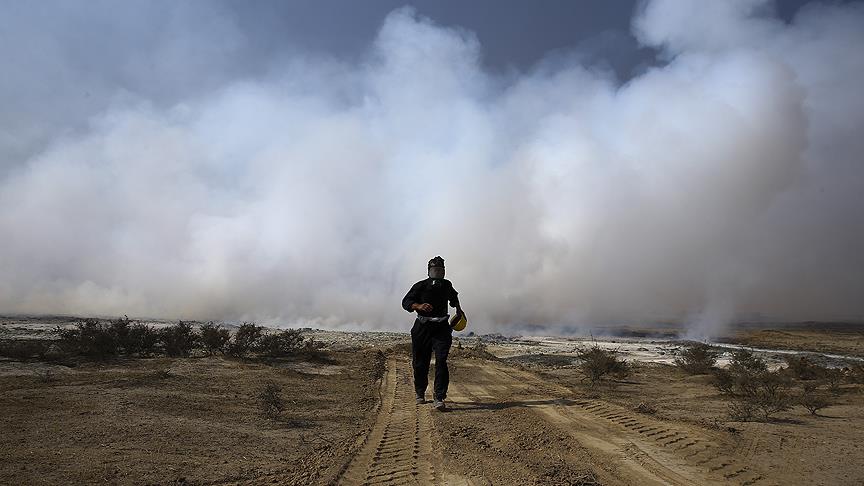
{"points": [[157, 175]]}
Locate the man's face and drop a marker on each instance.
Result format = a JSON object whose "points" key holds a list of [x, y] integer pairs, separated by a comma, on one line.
{"points": [[436, 272]]}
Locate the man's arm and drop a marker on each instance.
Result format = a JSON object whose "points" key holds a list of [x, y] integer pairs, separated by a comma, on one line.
{"points": [[410, 299], [454, 299], [409, 302]]}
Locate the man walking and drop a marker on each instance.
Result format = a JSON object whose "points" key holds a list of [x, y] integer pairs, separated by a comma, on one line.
{"points": [[431, 331]]}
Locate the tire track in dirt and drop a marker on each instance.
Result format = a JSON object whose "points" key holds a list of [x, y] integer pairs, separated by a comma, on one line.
{"points": [[644, 450], [399, 449]]}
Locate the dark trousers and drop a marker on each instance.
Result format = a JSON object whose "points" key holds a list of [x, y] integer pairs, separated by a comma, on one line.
{"points": [[425, 339]]}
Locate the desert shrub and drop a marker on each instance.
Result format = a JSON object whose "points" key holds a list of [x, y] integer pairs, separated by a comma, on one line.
{"points": [[833, 377], [95, 339], [760, 396], [214, 337], [245, 339], [697, 359], [744, 362], [741, 410], [134, 338], [119, 330], [812, 398], [597, 363], [89, 338], [724, 381], [754, 392], [743, 365], [769, 394], [271, 402], [280, 343], [179, 339], [142, 339], [804, 368]]}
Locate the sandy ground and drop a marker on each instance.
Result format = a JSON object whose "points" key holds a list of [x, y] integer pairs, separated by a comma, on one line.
{"points": [[523, 417], [836, 338], [183, 421]]}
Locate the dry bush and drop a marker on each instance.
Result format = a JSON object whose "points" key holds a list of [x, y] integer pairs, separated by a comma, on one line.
{"points": [[833, 377], [95, 339], [745, 362], [131, 338], [741, 410], [271, 402], [813, 399], [141, 340], [754, 392], [724, 381], [137, 338], [179, 339], [244, 339], [214, 337], [89, 338], [769, 394], [697, 359], [280, 343], [804, 368], [597, 363], [119, 331]]}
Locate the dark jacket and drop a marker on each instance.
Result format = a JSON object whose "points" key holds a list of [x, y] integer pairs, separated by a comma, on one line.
{"points": [[435, 291]]}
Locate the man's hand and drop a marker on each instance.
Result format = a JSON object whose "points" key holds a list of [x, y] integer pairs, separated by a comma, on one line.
{"points": [[422, 307]]}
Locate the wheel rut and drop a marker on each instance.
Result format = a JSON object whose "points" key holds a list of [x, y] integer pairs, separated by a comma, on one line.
{"points": [[643, 448], [399, 448]]}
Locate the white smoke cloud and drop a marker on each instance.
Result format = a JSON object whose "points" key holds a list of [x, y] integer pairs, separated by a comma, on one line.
{"points": [[724, 183]]}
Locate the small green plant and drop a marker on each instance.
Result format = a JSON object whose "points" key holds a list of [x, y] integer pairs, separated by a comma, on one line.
{"points": [[271, 402], [697, 359], [598, 363], [214, 337]]}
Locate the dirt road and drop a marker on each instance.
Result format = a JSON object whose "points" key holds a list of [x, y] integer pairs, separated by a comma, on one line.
{"points": [[507, 426]]}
